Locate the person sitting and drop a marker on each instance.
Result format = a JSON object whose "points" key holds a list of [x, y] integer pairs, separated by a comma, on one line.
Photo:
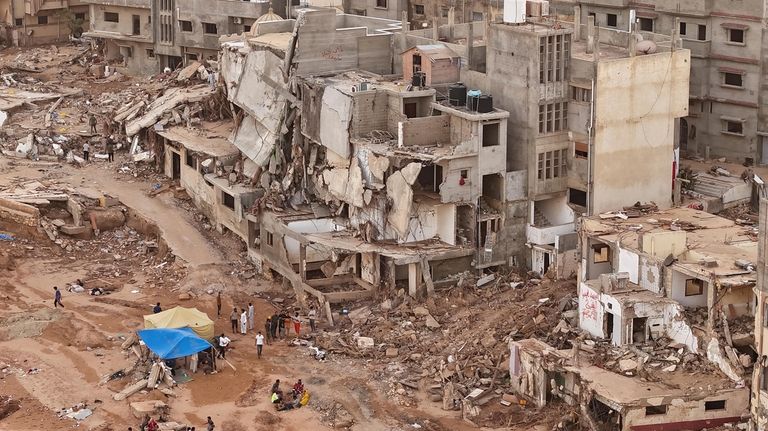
{"points": [[298, 389]]}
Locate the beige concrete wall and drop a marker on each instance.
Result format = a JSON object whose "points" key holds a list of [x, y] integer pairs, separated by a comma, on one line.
{"points": [[636, 102], [682, 410], [125, 24]]}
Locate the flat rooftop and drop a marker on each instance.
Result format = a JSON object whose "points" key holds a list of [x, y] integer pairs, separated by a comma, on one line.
{"points": [[627, 390], [707, 236]]}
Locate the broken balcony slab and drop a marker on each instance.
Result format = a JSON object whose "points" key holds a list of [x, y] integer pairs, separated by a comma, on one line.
{"points": [[210, 139], [172, 98]]}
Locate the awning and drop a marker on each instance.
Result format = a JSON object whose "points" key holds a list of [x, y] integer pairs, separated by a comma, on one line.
{"points": [[173, 343]]}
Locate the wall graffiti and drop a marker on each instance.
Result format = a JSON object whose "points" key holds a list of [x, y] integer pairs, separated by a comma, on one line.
{"points": [[333, 53], [590, 301]]}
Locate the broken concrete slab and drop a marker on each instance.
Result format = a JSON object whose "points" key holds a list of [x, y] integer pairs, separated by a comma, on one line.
{"points": [[151, 407], [627, 365], [431, 322], [172, 98], [365, 342]]}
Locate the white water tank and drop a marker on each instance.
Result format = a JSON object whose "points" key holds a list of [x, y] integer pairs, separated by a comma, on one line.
{"points": [[514, 11]]}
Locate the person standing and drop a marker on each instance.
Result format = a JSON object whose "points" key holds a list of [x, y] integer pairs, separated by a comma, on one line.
{"points": [[259, 344], [273, 324], [86, 151], [268, 329], [92, 123], [251, 312], [233, 318], [223, 344], [110, 148], [218, 304], [210, 424], [57, 297], [296, 324], [243, 322], [157, 308], [312, 316]]}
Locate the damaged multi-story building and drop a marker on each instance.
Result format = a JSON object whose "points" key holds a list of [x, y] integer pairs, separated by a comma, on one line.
{"points": [[362, 157], [646, 394], [727, 39], [585, 104], [148, 36], [679, 274], [365, 179], [666, 310], [35, 22]]}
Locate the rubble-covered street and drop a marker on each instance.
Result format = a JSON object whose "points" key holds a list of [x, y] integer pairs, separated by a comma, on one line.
{"points": [[317, 219]]}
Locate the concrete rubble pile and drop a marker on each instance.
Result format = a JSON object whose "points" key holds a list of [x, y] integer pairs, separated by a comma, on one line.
{"points": [[455, 354], [143, 376]]}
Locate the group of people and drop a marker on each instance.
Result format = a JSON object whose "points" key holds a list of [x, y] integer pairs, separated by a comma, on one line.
{"points": [[108, 142], [299, 396], [244, 319], [276, 326]]}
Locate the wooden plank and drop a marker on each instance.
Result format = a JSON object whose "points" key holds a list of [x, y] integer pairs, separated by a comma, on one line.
{"points": [[130, 390], [425, 272]]}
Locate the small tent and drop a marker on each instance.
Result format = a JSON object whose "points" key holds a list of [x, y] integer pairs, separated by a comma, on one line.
{"points": [[173, 343], [180, 317]]}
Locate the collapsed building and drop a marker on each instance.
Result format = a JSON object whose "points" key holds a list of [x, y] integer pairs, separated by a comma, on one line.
{"points": [[679, 399], [365, 179], [666, 300], [681, 274]]}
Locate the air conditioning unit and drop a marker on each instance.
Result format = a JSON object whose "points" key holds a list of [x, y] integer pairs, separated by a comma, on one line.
{"points": [[514, 11], [237, 20]]}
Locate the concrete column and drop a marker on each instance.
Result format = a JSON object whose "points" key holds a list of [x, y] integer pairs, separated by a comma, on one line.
{"points": [[632, 39], [414, 279], [591, 34], [435, 29], [303, 261], [577, 23], [470, 42]]}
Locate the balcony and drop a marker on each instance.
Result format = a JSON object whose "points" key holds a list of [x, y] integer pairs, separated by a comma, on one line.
{"points": [[699, 48], [542, 235], [686, 7]]}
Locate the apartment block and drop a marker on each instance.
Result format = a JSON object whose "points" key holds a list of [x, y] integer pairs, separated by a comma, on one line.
{"points": [[584, 104], [727, 117], [35, 22], [148, 36]]}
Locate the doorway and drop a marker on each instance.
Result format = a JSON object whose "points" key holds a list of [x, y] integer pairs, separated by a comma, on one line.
{"points": [[609, 318], [683, 134], [639, 333], [175, 165]]}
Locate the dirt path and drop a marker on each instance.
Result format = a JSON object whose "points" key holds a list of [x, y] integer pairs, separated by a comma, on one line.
{"points": [[184, 239]]}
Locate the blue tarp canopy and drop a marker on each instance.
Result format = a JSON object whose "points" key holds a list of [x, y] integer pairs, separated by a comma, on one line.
{"points": [[173, 343]]}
